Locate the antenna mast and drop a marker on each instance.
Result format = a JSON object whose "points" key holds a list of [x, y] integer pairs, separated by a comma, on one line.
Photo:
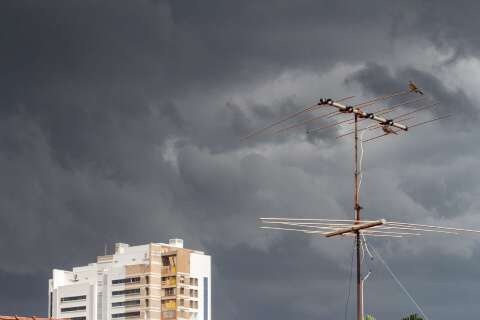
{"points": [[357, 227], [357, 208], [358, 113]]}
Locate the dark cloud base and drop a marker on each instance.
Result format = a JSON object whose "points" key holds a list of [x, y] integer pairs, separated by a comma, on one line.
{"points": [[120, 121]]}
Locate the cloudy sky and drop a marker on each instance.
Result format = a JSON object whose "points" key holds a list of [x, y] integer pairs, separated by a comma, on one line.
{"points": [[120, 120]]}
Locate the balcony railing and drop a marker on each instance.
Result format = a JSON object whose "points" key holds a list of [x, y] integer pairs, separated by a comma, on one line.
{"points": [[169, 282], [169, 305], [169, 269]]}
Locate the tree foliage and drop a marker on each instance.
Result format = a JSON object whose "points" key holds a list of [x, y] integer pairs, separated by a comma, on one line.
{"points": [[413, 317]]}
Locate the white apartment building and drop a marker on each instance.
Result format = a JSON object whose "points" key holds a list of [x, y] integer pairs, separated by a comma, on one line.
{"points": [[151, 281]]}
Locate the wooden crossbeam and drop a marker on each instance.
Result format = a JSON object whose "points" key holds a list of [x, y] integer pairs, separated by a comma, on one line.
{"points": [[355, 228]]}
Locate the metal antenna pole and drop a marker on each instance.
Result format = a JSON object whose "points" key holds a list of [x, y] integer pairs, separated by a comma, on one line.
{"points": [[357, 209], [357, 228]]}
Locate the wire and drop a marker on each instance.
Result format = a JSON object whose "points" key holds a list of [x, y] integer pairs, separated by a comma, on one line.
{"points": [[306, 121], [398, 282], [366, 246], [349, 284], [368, 264], [360, 164], [362, 256], [381, 98], [331, 125], [425, 122], [286, 118]]}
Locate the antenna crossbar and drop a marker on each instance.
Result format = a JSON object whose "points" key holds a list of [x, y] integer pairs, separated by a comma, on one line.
{"points": [[355, 228], [362, 114]]}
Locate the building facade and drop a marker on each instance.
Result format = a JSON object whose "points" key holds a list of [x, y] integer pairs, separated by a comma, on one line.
{"points": [[152, 281]]}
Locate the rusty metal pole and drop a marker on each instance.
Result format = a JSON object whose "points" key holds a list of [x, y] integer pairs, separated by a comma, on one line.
{"points": [[357, 209]]}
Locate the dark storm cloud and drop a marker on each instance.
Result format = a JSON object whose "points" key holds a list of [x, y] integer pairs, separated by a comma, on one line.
{"points": [[379, 80], [451, 29], [18, 297], [455, 186], [283, 266], [120, 121]]}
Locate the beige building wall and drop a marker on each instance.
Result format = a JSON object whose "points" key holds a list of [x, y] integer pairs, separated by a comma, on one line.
{"points": [[153, 281]]}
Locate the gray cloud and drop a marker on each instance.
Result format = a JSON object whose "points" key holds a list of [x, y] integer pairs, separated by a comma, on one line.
{"points": [[121, 120], [378, 79]]}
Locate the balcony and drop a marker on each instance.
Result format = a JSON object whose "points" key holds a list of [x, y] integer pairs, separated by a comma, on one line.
{"points": [[103, 259], [170, 314], [169, 270], [169, 304], [169, 282]]}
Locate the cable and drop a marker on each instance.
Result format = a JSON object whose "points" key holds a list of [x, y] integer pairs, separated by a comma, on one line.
{"points": [[399, 283], [368, 265], [349, 282], [366, 246], [362, 256], [360, 164]]}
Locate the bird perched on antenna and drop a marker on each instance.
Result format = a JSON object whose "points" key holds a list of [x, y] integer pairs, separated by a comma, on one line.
{"points": [[413, 87], [387, 129]]}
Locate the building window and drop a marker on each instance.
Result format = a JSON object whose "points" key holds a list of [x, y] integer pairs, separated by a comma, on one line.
{"points": [[51, 305], [193, 293], [193, 282], [170, 291], [205, 298], [126, 280], [127, 291], [73, 298], [126, 303], [169, 261], [78, 318], [126, 314], [70, 309]]}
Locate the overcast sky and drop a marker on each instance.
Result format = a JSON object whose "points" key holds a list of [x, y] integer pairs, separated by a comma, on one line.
{"points": [[120, 121]]}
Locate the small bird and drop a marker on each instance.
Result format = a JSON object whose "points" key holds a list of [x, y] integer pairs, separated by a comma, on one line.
{"points": [[413, 87], [387, 129]]}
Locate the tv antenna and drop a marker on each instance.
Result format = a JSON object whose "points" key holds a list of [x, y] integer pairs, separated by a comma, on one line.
{"points": [[358, 228]]}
